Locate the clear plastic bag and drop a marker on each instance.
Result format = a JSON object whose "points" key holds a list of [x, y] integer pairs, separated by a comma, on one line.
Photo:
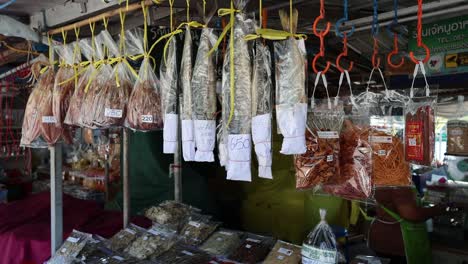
{"points": [[197, 230], [125, 237], [169, 92], [420, 125], [222, 243], [70, 249], [144, 111], [113, 98], [320, 245], [170, 213], [188, 137], [291, 98], [262, 109], [284, 253], [253, 249], [49, 130], [204, 97], [238, 125], [183, 254], [152, 244], [73, 116]]}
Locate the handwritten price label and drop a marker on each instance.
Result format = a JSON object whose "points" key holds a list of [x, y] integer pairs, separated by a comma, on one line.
{"points": [[49, 120], [147, 119], [113, 113]]}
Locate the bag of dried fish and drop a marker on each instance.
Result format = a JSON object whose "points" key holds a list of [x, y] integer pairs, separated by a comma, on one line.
{"points": [[222, 242], [93, 250], [204, 96], [152, 244], [183, 254], [144, 111], [73, 115], [169, 92], [261, 109], [284, 253], [188, 137], [170, 213], [70, 249], [116, 90], [49, 130], [291, 99], [237, 100], [31, 128], [198, 228], [253, 249], [125, 237], [322, 160]]}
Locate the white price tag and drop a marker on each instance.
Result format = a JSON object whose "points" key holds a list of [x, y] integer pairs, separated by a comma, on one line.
{"points": [[253, 240], [382, 152], [147, 119], [49, 120], [145, 238], [128, 230], [412, 142], [73, 239], [187, 253], [285, 251], [380, 139], [63, 250], [119, 258], [328, 134], [154, 232], [329, 158], [114, 113], [280, 257], [219, 239], [195, 224], [225, 233], [248, 246]]}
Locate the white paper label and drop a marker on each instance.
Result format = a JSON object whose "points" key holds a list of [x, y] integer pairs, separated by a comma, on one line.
{"points": [[329, 158], [285, 251], [205, 140], [219, 239], [114, 113], [328, 134], [248, 246], [154, 232], [145, 238], [380, 139], [63, 250], [147, 119], [49, 120], [225, 233], [73, 239], [312, 255], [128, 230], [280, 257], [382, 152], [292, 124], [195, 224], [253, 240], [412, 142], [119, 258], [187, 253]]}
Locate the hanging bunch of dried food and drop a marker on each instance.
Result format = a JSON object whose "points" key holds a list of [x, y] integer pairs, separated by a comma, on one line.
{"points": [[291, 98]]}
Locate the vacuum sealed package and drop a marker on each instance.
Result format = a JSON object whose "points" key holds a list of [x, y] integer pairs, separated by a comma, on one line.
{"points": [[284, 253], [457, 137], [125, 237], [321, 162], [420, 125], [291, 98], [169, 91], [151, 243], [112, 107], [253, 249], [64, 85], [262, 109], [73, 115], [183, 254], [237, 100], [50, 132], [204, 96], [197, 229], [188, 136], [222, 243], [320, 245], [94, 250], [70, 249], [31, 128], [144, 111], [171, 214]]}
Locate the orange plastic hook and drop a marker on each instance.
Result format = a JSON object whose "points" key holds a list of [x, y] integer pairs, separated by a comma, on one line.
{"points": [[428, 54], [321, 33], [393, 53], [375, 55], [314, 62], [344, 54]]}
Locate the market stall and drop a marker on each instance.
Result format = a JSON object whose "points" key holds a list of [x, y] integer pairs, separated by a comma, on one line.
{"points": [[244, 131]]}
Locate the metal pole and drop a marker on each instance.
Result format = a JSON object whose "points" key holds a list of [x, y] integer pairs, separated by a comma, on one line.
{"points": [[177, 166], [56, 197], [106, 167], [126, 181]]}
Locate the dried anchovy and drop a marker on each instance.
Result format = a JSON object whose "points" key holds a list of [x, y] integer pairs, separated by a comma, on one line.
{"points": [[169, 213], [87, 107], [49, 131], [125, 237], [92, 251], [62, 94], [222, 243], [284, 253], [74, 110], [70, 248], [195, 232], [183, 254], [151, 244], [252, 250], [113, 98]]}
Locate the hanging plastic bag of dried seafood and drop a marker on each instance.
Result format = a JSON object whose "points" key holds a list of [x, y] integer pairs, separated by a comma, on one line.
{"points": [[291, 99], [169, 81], [74, 110], [144, 112], [117, 89], [204, 96], [237, 100], [188, 137], [261, 109], [50, 132]]}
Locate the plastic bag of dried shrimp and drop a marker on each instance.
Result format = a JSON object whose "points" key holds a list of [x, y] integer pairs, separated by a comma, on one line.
{"points": [[116, 91], [204, 96], [169, 90], [322, 159], [237, 100], [50, 132], [291, 98]]}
